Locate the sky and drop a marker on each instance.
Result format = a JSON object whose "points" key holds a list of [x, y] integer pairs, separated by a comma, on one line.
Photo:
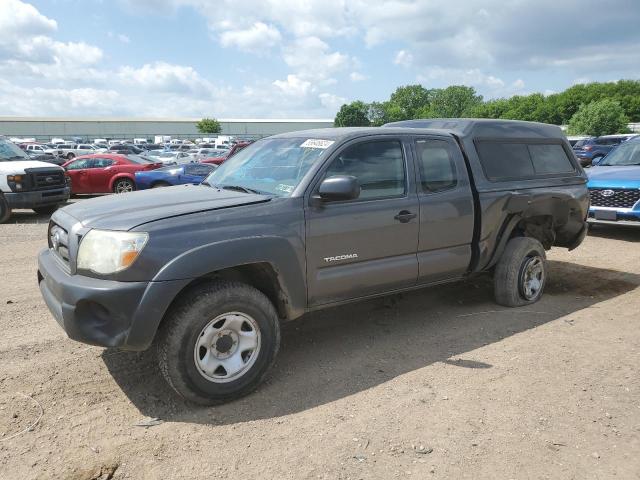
{"points": [[297, 58]]}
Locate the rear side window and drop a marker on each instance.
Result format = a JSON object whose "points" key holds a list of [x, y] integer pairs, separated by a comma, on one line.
{"points": [[513, 160], [437, 171], [378, 166]]}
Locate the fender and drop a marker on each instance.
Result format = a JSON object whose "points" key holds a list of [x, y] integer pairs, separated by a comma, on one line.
{"points": [[118, 176], [288, 262]]}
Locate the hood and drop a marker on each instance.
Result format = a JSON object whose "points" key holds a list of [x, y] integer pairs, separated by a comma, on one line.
{"points": [[614, 177], [19, 165], [129, 210]]}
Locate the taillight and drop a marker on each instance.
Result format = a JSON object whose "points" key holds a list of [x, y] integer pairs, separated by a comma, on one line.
{"points": [[588, 148]]}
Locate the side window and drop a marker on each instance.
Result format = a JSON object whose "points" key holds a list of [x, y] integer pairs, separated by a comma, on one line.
{"points": [[102, 162], [437, 170], [78, 164], [550, 159], [505, 160], [378, 166]]}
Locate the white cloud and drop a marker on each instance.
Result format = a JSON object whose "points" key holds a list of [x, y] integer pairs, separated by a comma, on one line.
{"points": [[357, 77], [293, 85], [332, 102], [403, 58], [22, 19], [257, 38], [165, 77], [311, 57]]}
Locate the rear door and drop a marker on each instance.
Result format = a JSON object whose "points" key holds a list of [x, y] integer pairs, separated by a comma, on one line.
{"points": [[446, 209], [368, 245], [100, 174]]}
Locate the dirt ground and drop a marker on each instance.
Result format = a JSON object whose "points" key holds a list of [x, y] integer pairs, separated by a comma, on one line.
{"points": [[439, 383]]}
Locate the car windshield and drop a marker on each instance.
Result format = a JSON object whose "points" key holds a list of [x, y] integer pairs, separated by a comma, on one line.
{"points": [[274, 165], [581, 143], [10, 152], [626, 154]]}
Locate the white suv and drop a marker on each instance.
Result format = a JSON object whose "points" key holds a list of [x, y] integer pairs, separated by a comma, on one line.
{"points": [[25, 183]]}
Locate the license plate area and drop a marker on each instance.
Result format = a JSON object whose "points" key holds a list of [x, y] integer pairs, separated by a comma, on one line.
{"points": [[606, 215]]}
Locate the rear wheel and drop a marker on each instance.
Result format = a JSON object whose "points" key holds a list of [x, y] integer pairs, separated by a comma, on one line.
{"points": [[5, 211], [521, 273], [123, 185], [70, 156], [218, 342], [48, 210]]}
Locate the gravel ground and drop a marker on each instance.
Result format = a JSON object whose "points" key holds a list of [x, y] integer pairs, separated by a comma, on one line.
{"points": [[439, 383]]}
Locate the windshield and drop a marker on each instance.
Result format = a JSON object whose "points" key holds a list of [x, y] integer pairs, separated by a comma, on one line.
{"points": [[273, 165], [581, 143], [10, 152], [625, 154]]}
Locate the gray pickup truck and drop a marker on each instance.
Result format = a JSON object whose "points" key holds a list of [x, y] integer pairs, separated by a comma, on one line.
{"points": [[304, 221]]}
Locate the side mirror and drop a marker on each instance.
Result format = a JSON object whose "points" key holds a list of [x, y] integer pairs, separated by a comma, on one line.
{"points": [[339, 187]]}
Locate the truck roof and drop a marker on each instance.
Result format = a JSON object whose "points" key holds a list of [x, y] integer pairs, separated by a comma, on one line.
{"points": [[461, 127]]}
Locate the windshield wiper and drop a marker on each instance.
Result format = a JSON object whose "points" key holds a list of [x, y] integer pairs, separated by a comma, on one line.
{"points": [[15, 157], [238, 188]]}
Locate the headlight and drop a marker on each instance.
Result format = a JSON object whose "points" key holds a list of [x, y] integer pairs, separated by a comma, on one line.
{"points": [[104, 252]]}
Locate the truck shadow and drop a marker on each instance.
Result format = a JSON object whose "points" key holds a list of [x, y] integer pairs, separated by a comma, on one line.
{"points": [[335, 353]]}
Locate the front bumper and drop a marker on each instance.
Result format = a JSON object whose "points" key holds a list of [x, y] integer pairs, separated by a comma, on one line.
{"points": [[37, 198], [615, 216], [104, 312]]}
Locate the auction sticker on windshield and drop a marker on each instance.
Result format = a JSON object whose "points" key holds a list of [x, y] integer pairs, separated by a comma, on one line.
{"points": [[317, 143]]}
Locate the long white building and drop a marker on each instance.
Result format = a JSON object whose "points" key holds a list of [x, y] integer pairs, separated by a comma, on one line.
{"points": [[44, 128]]}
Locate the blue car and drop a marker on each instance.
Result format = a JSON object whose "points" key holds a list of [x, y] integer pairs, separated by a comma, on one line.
{"points": [[589, 150], [614, 186], [193, 173]]}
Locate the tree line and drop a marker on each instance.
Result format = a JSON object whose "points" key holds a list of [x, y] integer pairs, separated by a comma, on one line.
{"points": [[588, 109]]}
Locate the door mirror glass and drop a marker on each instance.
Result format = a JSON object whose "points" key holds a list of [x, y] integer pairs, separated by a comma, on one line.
{"points": [[339, 187]]}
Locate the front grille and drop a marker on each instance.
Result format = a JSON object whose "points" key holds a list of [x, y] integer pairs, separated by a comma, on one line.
{"points": [[58, 239], [614, 197], [45, 180]]}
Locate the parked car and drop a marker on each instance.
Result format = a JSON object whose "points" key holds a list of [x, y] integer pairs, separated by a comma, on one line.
{"points": [[614, 186], [220, 158], [594, 148], [170, 158], [26, 183], [106, 173], [193, 173], [308, 220], [45, 157], [126, 149]]}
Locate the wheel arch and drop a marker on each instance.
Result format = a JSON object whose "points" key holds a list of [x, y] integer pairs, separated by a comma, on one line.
{"points": [[119, 176]]}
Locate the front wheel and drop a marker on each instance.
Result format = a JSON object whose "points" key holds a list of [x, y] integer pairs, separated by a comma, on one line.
{"points": [[521, 273], [218, 342], [5, 211], [70, 156], [123, 185]]}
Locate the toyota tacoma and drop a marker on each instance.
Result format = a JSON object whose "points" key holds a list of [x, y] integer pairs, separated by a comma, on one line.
{"points": [[304, 221]]}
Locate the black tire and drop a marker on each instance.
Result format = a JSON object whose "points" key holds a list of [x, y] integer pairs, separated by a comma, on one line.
{"points": [[70, 156], [160, 185], [183, 327], [48, 210], [5, 211], [123, 185], [521, 257]]}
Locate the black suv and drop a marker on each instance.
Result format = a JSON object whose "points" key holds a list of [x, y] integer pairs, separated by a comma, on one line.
{"points": [[304, 221]]}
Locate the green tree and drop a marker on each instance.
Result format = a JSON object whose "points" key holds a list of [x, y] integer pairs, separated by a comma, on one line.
{"points": [[455, 101], [209, 125], [601, 117], [354, 114], [406, 102]]}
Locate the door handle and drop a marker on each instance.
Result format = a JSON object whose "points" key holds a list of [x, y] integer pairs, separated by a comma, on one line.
{"points": [[404, 216]]}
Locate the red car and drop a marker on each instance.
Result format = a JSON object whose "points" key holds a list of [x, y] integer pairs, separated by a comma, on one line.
{"points": [[235, 149], [106, 173]]}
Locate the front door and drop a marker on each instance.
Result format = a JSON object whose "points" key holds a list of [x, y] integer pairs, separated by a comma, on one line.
{"points": [[368, 245], [78, 173], [446, 209]]}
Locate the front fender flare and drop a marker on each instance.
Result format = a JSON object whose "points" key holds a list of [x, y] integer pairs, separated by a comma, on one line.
{"points": [[288, 261]]}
